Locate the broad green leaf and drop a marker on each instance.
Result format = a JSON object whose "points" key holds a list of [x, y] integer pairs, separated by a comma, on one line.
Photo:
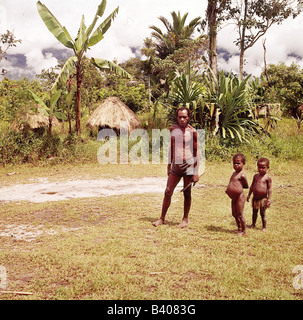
{"points": [[81, 37], [54, 26], [69, 98], [68, 68], [39, 100], [101, 8], [60, 115], [103, 64], [95, 38], [42, 111], [99, 13], [98, 34], [55, 98]]}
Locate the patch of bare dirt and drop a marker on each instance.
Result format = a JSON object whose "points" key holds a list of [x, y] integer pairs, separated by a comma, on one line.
{"points": [[44, 191], [29, 233]]}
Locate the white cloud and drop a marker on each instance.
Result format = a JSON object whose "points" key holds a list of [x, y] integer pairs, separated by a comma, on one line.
{"points": [[37, 61], [130, 28]]}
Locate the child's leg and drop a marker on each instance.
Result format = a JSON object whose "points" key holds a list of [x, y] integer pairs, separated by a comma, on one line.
{"points": [[240, 210], [263, 217], [254, 217], [234, 213]]}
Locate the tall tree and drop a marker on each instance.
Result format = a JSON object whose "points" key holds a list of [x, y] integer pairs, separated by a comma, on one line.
{"points": [[254, 18], [85, 39], [7, 41], [149, 51], [214, 16], [167, 43]]}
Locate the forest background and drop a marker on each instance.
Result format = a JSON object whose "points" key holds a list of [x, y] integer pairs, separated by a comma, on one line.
{"points": [[107, 248], [176, 68]]}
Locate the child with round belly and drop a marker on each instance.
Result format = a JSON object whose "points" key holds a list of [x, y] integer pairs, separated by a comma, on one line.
{"points": [[237, 183]]}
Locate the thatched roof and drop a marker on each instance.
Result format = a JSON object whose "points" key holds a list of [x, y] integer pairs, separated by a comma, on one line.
{"points": [[32, 121], [110, 113]]}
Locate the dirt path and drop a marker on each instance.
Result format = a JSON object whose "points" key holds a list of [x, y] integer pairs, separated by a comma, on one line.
{"points": [[56, 191]]}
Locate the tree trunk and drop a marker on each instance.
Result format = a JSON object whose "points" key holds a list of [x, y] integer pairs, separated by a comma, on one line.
{"points": [[265, 64], [78, 99], [241, 65], [212, 34], [242, 42], [50, 126], [69, 122], [149, 89]]}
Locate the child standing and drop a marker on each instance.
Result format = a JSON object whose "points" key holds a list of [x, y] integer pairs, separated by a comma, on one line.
{"points": [[237, 183], [261, 189]]}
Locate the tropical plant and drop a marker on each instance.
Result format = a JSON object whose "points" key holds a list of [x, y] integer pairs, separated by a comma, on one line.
{"points": [[48, 108], [86, 38], [167, 43], [232, 106], [187, 91]]}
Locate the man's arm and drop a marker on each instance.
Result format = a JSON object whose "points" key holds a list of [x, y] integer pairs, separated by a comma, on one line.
{"points": [[196, 157]]}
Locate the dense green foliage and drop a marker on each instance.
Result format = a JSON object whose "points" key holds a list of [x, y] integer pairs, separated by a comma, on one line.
{"points": [[174, 74], [285, 143]]}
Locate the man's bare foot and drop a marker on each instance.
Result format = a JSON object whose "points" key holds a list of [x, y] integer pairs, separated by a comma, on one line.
{"points": [[264, 229], [252, 226], [158, 222], [184, 223]]}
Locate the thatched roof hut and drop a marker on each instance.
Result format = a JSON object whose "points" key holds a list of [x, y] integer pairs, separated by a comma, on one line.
{"points": [[30, 121], [110, 113]]}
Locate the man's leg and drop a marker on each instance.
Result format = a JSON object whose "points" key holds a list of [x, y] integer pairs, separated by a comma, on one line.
{"points": [[172, 182], [187, 201]]}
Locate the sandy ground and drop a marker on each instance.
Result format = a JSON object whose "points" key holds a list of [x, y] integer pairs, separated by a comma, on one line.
{"points": [[44, 191]]}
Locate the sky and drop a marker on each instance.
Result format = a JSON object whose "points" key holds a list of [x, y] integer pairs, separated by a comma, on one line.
{"points": [[41, 50]]}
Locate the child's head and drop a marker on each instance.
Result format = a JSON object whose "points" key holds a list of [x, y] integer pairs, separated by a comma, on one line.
{"points": [[263, 165], [240, 156], [239, 161]]}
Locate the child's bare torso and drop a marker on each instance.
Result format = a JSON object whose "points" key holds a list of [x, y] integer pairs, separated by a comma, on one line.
{"points": [[235, 185], [260, 186]]}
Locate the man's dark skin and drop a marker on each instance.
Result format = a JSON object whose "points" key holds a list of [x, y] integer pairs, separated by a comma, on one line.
{"points": [[173, 180]]}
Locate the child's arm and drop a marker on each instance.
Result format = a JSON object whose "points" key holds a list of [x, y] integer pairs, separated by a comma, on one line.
{"points": [[251, 189], [244, 181], [269, 191]]}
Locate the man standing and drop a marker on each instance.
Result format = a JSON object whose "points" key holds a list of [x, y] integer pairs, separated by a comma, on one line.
{"points": [[183, 162]]}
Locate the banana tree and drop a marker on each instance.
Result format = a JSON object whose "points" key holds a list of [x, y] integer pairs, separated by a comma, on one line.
{"points": [[48, 108], [86, 38]]}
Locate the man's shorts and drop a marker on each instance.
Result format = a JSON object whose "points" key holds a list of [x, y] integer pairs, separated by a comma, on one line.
{"points": [[182, 169]]}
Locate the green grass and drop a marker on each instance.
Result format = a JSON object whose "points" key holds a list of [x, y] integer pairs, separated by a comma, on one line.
{"points": [[107, 248]]}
